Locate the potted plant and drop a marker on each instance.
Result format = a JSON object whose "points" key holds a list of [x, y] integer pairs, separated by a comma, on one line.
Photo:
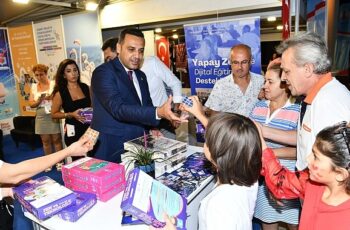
{"points": [[143, 158]]}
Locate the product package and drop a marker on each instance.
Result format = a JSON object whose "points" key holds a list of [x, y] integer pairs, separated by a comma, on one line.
{"points": [[103, 178], [44, 197], [148, 200], [166, 147], [84, 202], [87, 113]]}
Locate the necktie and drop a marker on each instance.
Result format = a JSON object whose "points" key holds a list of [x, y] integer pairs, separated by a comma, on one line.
{"points": [[130, 75]]}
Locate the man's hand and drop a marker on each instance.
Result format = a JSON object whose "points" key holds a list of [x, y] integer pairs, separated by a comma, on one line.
{"points": [[165, 111]]}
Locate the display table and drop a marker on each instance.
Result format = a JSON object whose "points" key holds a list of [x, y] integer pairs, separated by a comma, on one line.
{"points": [[108, 215]]}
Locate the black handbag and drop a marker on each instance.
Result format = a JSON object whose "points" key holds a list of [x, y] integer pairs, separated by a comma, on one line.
{"points": [[6, 216]]}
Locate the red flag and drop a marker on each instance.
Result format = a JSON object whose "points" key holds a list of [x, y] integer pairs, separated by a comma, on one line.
{"points": [[163, 50], [285, 19]]}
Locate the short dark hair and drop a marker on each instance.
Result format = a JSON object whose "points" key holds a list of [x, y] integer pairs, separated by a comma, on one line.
{"points": [[110, 43], [235, 147], [333, 142], [131, 31]]}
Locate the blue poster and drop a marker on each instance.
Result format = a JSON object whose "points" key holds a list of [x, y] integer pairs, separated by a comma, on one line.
{"points": [[208, 50], [8, 94], [83, 42]]}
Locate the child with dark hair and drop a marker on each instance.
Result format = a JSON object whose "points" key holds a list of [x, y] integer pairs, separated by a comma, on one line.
{"points": [[324, 186], [233, 147]]}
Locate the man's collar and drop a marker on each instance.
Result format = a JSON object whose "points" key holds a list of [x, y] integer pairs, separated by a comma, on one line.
{"points": [[324, 79]]}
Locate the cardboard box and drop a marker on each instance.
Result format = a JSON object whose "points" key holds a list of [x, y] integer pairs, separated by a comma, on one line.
{"points": [[44, 197], [148, 199], [93, 171], [105, 196], [165, 146], [84, 202], [87, 113]]}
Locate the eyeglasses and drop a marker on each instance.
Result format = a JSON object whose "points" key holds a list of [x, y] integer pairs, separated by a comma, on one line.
{"points": [[244, 62]]}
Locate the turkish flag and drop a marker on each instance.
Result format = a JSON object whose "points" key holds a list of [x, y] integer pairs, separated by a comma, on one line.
{"points": [[285, 19], [163, 50]]}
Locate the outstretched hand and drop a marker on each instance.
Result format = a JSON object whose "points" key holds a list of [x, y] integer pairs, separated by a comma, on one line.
{"points": [[196, 109], [165, 111], [80, 147]]}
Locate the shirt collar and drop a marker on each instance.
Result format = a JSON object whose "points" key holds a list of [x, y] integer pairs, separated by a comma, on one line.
{"points": [[324, 79]]}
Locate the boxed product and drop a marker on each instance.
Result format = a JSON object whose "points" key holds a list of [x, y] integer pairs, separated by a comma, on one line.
{"points": [[101, 196], [170, 164], [93, 171], [165, 146], [189, 176], [87, 114], [91, 187], [84, 202], [44, 197], [148, 200]]}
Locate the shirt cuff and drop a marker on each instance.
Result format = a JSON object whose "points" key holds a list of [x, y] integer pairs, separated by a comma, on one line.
{"points": [[158, 118], [177, 99]]}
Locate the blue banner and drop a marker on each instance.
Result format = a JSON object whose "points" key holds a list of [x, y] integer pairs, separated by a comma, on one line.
{"points": [[208, 50], [8, 94]]}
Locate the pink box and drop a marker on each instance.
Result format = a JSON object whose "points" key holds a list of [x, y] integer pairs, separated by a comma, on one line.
{"points": [[105, 196], [93, 188], [93, 171]]}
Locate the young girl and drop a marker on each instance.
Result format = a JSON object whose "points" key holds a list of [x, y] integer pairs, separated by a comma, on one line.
{"points": [[324, 187], [233, 147]]}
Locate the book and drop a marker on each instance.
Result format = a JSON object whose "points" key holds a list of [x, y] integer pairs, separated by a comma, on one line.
{"points": [[44, 197], [84, 202], [147, 199], [165, 147]]}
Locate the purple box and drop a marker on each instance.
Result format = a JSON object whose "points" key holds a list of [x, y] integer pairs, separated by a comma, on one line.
{"points": [[87, 113], [84, 202], [44, 197], [148, 200]]}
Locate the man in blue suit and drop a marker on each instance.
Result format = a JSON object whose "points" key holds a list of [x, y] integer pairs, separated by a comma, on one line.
{"points": [[121, 100]]}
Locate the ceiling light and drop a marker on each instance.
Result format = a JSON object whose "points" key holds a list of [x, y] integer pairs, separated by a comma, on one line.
{"points": [[174, 30], [175, 36], [271, 19], [21, 1], [91, 6], [158, 30], [279, 27]]}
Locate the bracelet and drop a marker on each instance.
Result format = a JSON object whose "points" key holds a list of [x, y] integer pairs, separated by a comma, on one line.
{"points": [[65, 115]]}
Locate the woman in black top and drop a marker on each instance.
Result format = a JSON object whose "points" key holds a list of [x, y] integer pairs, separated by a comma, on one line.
{"points": [[71, 95]]}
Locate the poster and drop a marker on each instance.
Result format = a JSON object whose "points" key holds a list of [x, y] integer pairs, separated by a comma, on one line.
{"points": [[24, 58], [83, 42], [208, 48], [50, 44], [8, 93]]}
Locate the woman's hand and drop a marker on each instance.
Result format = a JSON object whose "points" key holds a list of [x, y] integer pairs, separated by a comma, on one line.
{"points": [[80, 147], [196, 109], [76, 115]]}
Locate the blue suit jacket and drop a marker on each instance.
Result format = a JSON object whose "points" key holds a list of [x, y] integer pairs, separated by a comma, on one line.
{"points": [[118, 113]]}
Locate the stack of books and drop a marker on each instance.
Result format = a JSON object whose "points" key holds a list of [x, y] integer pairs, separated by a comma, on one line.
{"points": [[171, 152], [103, 178], [148, 200]]}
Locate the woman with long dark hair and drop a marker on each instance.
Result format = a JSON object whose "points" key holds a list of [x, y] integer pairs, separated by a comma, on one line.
{"points": [[71, 95]]}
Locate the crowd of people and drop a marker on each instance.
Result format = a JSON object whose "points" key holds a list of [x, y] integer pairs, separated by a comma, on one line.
{"points": [[280, 156]]}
